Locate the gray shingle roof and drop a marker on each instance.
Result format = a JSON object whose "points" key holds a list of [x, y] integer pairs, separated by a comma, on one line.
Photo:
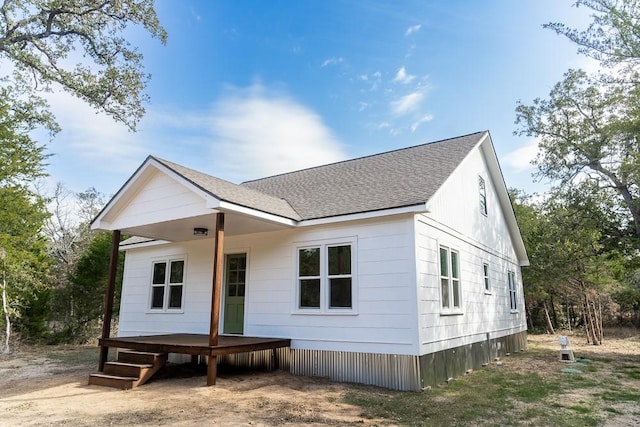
{"points": [[230, 192], [399, 178]]}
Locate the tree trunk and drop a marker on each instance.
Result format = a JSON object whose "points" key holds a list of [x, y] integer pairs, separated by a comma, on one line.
{"points": [[549, 324], [7, 319]]}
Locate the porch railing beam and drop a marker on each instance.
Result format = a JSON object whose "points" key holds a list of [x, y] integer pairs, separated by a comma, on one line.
{"points": [[218, 263], [108, 297]]}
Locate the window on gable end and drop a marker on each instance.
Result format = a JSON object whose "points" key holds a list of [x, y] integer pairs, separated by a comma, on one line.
{"points": [[483, 195]]}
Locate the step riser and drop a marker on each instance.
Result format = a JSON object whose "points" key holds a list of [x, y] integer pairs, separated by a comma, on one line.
{"points": [[123, 371], [111, 382], [132, 375], [140, 358]]}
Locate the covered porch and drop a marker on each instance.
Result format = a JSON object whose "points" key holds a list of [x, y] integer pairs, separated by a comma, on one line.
{"points": [[163, 202]]}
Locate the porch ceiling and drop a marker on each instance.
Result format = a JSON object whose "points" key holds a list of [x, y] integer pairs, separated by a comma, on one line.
{"points": [[180, 230]]}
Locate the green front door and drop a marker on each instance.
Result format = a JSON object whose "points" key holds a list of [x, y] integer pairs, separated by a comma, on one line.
{"points": [[235, 284]]}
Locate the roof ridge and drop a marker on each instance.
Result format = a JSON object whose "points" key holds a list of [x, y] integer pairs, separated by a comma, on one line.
{"points": [[363, 157]]}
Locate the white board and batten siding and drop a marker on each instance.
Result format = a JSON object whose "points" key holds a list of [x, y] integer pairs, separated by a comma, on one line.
{"points": [[383, 319], [455, 221]]}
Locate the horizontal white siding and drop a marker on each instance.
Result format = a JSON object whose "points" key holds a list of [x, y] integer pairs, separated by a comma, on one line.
{"points": [[386, 317], [454, 220]]}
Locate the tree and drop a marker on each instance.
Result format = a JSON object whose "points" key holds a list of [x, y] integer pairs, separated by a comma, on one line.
{"points": [[22, 216], [41, 39], [613, 36], [571, 266], [589, 132]]}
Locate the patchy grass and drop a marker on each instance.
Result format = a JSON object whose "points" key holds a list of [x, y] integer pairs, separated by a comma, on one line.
{"points": [[529, 389]]}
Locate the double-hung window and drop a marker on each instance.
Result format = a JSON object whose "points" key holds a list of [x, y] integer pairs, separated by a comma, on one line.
{"points": [[485, 273], [325, 280], [167, 283], [482, 188], [450, 292], [513, 300]]}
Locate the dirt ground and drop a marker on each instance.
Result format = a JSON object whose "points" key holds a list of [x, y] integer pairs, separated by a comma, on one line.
{"points": [[42, 386]]}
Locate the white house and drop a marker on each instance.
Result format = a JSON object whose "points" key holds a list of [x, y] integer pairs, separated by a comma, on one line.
{"points": [[400, 269]]}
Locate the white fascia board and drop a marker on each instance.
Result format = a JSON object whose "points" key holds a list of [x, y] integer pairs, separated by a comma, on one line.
{"points": [[232, 207], [421, 208], [503, 195]]}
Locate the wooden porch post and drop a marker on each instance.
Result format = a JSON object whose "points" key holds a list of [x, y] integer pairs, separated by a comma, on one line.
{"points": [[218, 262], [108, 297]]}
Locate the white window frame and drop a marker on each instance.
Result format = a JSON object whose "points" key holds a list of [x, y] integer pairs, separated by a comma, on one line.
{"points": [[486, 276], [450, 280], [325, 277], [482, 190], [512, 288], [167, 286]]}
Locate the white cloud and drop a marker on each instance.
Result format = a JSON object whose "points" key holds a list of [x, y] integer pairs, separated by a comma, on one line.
{"points": [[258, 133], [412, 29], [332, 61], [407, 104], [403, 77], [425, 119], [363, 106], [95, 137], [520, 159]]}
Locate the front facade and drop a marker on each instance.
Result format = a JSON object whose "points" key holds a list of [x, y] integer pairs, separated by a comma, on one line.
{"points": [[403, 295]]}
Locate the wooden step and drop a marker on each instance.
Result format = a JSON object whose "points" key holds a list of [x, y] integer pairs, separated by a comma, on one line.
{"points": [[132, 356], [133, 368], [116, 381], [125, 369]]}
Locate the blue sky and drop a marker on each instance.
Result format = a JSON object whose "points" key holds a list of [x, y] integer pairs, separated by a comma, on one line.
{"points": [[245, 89]]}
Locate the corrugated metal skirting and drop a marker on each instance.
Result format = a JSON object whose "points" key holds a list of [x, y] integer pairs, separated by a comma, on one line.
{"points": [[398, 372], [261, 359]]}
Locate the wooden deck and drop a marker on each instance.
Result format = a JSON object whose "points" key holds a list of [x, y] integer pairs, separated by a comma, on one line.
{"points": [[195, 344]]}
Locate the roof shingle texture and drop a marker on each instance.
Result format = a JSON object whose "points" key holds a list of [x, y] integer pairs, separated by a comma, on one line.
{"points": [[234, 193], [405, 177]]}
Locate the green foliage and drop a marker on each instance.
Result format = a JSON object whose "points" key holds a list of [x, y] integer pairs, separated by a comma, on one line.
{"points": [[42, 38], [78, 305], [587, 136], [613, 35]]}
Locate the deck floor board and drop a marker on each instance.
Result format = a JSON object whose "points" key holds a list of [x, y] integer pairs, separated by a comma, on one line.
{"points": [[195, 344]]}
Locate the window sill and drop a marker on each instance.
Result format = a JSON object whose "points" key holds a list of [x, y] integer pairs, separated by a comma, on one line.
{"points": [[451, 313], [159, 311], [515, 311], [488, 293], [318, 312]]}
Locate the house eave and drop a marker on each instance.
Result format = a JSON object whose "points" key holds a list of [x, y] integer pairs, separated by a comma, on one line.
{"points": [[411, 209]]}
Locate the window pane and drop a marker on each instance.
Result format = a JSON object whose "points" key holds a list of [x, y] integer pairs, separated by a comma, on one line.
{"points": [[233, 277], [310, 293], [309, 262], [240, 290], [175, 296], [231, 290], [456, 293], [340, 293], [445, 292], [339, 260], [177, 271], [159, 271], [157, 296], [454, 265], [444, 261]]}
